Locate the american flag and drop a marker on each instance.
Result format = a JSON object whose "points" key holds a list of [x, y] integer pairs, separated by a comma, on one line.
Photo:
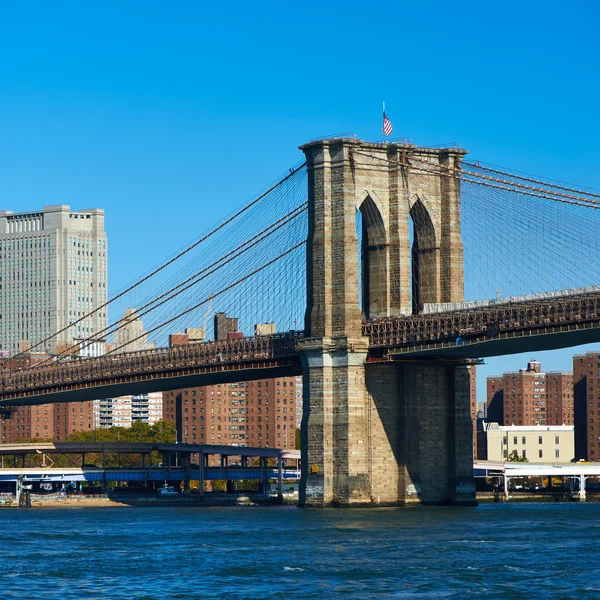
{"points": [[387, 125]]}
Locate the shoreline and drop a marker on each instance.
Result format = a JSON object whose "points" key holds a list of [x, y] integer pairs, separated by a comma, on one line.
{"points": [[148, 501], [483, 498]]}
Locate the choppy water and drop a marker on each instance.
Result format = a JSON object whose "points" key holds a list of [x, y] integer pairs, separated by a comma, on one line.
{"points": [[494, 551]]}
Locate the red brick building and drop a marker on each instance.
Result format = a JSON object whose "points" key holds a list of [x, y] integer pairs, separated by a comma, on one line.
{"points": [[586, 386], [255, 413], [45, 421], [530, 397], [559, 399]]}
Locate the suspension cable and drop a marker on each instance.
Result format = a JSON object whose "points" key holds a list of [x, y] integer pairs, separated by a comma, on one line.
{"points": [[220, 292], [187, 284], [167, 263]]}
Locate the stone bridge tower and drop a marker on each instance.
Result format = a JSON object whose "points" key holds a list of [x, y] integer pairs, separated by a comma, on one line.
{"points": [[381, 433]]}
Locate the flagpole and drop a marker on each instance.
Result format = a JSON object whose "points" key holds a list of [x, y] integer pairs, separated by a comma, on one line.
{"points": [[382, 119]]}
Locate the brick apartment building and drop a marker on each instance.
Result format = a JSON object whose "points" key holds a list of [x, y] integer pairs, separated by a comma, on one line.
{"points": [[530, 397], [43, 421], [46, 421], [255, 413], [586, 385], [263, 413], [58, 421]]}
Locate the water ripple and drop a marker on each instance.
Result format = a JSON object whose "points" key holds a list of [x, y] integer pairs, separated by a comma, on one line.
{"points": [[494, 551]]}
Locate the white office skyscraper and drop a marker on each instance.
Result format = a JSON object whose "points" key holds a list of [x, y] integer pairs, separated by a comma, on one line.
{"points": [[53, 271]]}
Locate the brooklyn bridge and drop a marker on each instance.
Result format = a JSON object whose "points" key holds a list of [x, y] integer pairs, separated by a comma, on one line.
{"points": [[388, 269]]}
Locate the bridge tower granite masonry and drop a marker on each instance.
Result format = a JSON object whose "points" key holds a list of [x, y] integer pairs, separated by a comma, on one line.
{"points": [[383, 432]]}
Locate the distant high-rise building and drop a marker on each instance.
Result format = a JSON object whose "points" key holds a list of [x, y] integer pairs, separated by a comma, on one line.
{"points": [[131, 335], [586, 385], [53, 267], [224, 325], [54, 272], [264, 329], [530, 397], [124, 411], [263, 413]]}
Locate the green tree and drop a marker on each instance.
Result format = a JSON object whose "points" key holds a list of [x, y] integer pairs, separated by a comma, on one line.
{"points": [[162, 432], [138, 432], [515, 457]]}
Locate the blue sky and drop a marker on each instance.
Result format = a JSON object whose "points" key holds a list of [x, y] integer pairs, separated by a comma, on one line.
{"points": [[170, 115]]}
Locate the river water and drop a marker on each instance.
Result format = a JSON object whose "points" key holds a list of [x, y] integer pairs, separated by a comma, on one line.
{"points": [[492, 551]]}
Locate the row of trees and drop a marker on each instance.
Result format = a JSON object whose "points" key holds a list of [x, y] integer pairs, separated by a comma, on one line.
{"points": [[162, 432]]}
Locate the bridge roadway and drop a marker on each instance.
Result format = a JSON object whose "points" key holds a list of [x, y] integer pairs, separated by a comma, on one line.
{"points": [[536, 324]]}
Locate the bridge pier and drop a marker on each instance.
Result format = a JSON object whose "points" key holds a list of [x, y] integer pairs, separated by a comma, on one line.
{"points": [[384, 433], [436, 446], [335, 468]]}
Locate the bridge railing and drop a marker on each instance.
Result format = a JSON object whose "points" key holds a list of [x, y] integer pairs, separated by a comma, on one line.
{"points": [[117, 366], [490, 322], [453, 327]]}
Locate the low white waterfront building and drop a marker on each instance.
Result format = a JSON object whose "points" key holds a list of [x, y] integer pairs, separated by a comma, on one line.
{"points": [[537, 443]]}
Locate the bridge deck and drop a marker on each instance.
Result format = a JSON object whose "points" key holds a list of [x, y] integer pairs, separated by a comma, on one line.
{"points": [[539, 324]]}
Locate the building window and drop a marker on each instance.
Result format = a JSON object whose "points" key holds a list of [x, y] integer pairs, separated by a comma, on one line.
{"points": [[524, 453], [541, 455], [557, 453], [539, 440], [523, 440], [515, 440], [556, 440]]}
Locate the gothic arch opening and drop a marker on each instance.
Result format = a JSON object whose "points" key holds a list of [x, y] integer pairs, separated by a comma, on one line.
{"points": [[424, 258], [373, 261]]}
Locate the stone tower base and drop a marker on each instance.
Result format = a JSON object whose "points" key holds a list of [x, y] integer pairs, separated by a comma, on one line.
{"points": [[385, 433]]}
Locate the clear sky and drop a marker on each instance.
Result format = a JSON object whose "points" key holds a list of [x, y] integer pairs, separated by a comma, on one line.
{"points": [[170, 114]]}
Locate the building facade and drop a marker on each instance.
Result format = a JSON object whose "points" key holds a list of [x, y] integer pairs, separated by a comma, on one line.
{"points": [[586, 386], [54, 272], [255, 413], [124, 411], [530, 397], [560, 408], [495, 400], [46, 422], [131, 335], [537, 444]]}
